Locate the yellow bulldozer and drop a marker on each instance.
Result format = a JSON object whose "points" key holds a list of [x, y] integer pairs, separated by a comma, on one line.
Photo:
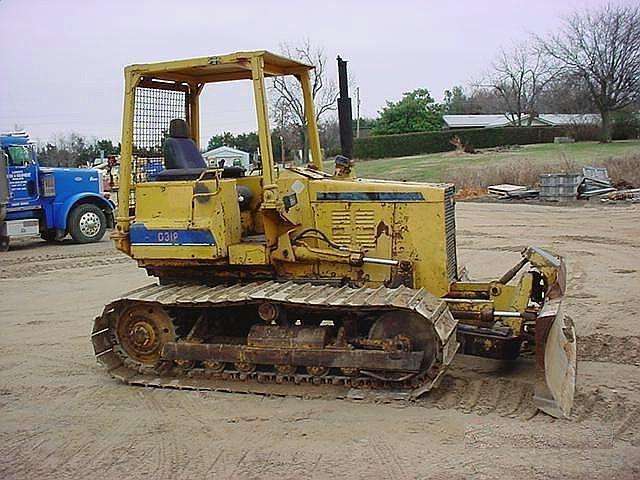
{"points": [[289, 279]]}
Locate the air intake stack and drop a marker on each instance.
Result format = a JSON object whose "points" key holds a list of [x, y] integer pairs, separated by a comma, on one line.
{"points": [[345, 118]]}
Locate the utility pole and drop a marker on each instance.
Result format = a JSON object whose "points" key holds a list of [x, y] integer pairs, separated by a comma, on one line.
{"points": [[357, 112]]}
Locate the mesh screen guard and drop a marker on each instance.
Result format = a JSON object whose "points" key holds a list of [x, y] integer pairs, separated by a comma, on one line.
{"points": [[154, 108]]}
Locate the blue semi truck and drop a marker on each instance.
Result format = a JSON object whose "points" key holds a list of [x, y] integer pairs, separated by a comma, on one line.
{"points": [[49, 202]]}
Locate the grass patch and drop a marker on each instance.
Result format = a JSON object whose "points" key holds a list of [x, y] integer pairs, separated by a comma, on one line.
{"points": [[511, 165]]}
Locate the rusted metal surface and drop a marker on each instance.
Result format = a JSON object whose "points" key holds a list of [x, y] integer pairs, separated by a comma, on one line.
{"points": [[488, 343], [236, 364], [477, 312], [556, 360], [283, 347], [556, 353], [265, 336], [327, 357], [506, 278], [143, 331], [487, 331]]}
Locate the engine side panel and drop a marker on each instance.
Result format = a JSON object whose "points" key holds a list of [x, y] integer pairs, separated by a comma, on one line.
{"points": [[400, 221]]}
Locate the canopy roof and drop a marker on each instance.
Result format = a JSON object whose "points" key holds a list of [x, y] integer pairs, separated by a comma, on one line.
{"points": [[219, 68]]}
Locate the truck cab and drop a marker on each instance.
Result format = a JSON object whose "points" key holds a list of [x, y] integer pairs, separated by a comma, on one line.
{"points": [[50, 202]]}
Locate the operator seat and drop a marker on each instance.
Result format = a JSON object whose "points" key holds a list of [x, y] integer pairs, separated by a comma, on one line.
{"points": [[180, 151], [182, 159]]}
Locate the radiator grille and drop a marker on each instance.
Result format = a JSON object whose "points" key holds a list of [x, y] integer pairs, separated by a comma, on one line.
{"points": [[355, 229], [450, 233]]}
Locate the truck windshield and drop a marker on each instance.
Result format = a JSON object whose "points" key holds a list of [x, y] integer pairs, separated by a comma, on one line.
{"points": [[19, 155]]}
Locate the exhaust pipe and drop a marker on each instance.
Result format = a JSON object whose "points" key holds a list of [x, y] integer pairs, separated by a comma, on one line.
{"points": [[345, 117]]}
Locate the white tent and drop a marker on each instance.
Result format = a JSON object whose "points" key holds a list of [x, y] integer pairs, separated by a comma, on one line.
{"points": [[231, 156]]}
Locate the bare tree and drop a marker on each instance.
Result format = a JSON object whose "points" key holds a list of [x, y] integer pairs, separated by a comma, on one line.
{"points": [[603, 48], [484, 100], [518, 77], [287, 100], [566, 94]]}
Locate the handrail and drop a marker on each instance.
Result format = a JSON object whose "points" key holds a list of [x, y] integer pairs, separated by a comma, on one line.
{"points": [[197, 195]]}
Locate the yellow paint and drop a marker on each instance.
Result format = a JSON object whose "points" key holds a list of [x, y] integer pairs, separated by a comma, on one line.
{"points": [[149, 252], [206, 205], [301, 223], [310, 115], [130, 81], [257, 73], [248, 254], [285, 202]]}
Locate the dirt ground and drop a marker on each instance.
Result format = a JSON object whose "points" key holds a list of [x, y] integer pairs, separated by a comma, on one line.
{"points": [[61, 416]]}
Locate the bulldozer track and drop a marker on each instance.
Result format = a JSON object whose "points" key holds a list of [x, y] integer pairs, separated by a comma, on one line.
{"points": [[110, 354]]}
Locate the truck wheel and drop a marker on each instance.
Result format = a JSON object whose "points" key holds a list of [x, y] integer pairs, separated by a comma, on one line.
{"points": [[87, 223], [4, 244]]}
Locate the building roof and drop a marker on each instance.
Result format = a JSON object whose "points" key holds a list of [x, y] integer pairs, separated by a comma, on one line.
{"points": [[571, 118], [503, 120], [479, 121], [224, 150]]}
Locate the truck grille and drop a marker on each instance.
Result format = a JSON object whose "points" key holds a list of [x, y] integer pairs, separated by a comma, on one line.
{"points": [[450, 233]]}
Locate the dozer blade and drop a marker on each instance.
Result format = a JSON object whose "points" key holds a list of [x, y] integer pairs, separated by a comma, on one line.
{"points": [[556, 358]]}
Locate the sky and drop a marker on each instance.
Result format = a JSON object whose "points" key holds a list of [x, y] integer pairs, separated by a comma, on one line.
{"points": [[62, 61]]}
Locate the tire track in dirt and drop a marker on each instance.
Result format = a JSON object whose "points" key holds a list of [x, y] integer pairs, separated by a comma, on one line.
{"points": [[49, 257], [73, 454], [483, 396], [609, 407], [514, 399], [102, 448], [600, 347], [166, 465], [11, 462], [31, 269], [188, 404], [389, 461], [599, 240], [210, 470], [629, 429]]}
